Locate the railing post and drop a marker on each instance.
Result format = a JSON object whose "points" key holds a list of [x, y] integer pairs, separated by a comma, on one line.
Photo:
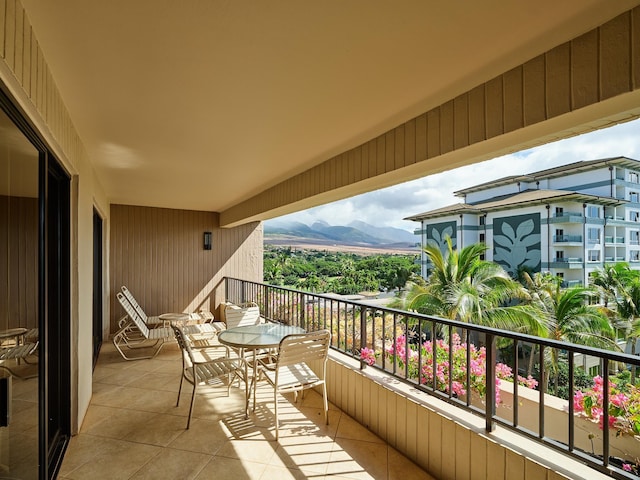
{"points": [[490, 407], [363, 335], [302, 310]]}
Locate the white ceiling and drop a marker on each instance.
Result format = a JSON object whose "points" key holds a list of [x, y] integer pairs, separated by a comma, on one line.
{"points": [[201, 104]]}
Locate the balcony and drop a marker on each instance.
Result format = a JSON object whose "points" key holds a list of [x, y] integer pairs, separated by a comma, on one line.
{"points": [[571, 283], [134, 430], [609, 239], [566, 262], [382, 405], [567, 239], [567, 217]]}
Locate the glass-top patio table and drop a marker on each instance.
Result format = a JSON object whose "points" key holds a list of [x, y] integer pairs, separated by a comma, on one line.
{"points": [[253, 338]]}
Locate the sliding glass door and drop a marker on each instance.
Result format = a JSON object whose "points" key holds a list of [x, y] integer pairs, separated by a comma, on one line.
{"points": [[34, 302]]}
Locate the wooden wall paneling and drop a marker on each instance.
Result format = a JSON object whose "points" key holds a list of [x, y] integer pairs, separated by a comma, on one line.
{"points": [[3, 22], [496, 458], [390, 414], [380, 155], [585, 87], [435, 444], [461, 121], [463, 452], [514, 465], [411, 438], [534, 91], [478, 457], [26, 55], [446, 127], [19, 42], [433, 133], [558, 80], [410, 142], [389, 151], [494, 101], [10, 33], [399, 144], [401, 423], [533, 470], [615, 56], [513, 111], [366, 403], [374, 408], [477, 127], [448, 439], [635, 48], [423, 437]]}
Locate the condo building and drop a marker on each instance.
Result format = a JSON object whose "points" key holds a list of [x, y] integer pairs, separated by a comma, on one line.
{"points": [[568, 220]]}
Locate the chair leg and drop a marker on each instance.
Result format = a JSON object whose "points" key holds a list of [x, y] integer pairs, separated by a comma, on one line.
{"points": [[179, 390], [326, 403], [275, 401], [193, 399]]}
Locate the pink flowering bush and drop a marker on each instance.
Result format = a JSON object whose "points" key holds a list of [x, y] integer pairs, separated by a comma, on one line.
{"points": [[368, 356], [419, 364], [624, 405]]}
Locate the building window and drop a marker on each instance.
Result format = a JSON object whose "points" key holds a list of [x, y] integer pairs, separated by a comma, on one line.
{"points": [[593, 211], [633, 177], [634, 197], [559, 211], [594, 255], [634, 255], [560, 255], [482, 237], [594, 235], [482, 219], [634, 216], [634, 237]]}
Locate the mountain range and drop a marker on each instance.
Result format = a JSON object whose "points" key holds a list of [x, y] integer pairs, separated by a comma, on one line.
{"points": [[356, 233]]}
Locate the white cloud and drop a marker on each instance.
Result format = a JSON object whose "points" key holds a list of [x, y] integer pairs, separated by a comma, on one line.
{"points": [[387, 207]]}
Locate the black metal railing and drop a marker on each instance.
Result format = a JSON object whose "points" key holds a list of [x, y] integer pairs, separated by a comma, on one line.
{"points": [[469, 366]]}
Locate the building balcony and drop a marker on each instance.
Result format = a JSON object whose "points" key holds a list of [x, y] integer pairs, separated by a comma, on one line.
{"points": [[609, 239], [567, 239], [566, 262], [567, 217], [571, 283]]}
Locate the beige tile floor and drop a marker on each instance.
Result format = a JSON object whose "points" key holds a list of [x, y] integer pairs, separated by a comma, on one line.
{"points": [[133, 430]]}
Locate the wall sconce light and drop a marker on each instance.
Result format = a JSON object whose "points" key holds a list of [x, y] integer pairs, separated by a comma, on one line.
{"points": [[207, 240]]}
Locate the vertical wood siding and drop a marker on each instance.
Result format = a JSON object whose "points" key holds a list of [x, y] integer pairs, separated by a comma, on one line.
{"points": [[158, 254], [18, 262], [20, 50]]}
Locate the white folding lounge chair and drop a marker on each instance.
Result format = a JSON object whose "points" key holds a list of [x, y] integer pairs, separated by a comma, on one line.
{"points": [[135, 334], [205, 366], [292, 373], [154, 320], [18, 352]]}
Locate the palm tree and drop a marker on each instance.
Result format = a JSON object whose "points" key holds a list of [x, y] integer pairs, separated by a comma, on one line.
{"points": [[628, 313], [463, 287], [569, 317], [611, 279]]}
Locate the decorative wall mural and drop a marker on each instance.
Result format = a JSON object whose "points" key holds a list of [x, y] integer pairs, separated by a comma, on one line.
{"points": [[438, 232], [516, 243]]}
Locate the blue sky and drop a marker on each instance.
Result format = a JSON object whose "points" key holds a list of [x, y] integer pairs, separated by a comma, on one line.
{"points": [[387, 207]]}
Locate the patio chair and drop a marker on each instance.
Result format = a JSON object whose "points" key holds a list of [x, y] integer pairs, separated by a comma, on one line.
{"points": [[154, 320], [292, 373], [136, 334], [241, 315], [205, 366], [18, 352]]}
